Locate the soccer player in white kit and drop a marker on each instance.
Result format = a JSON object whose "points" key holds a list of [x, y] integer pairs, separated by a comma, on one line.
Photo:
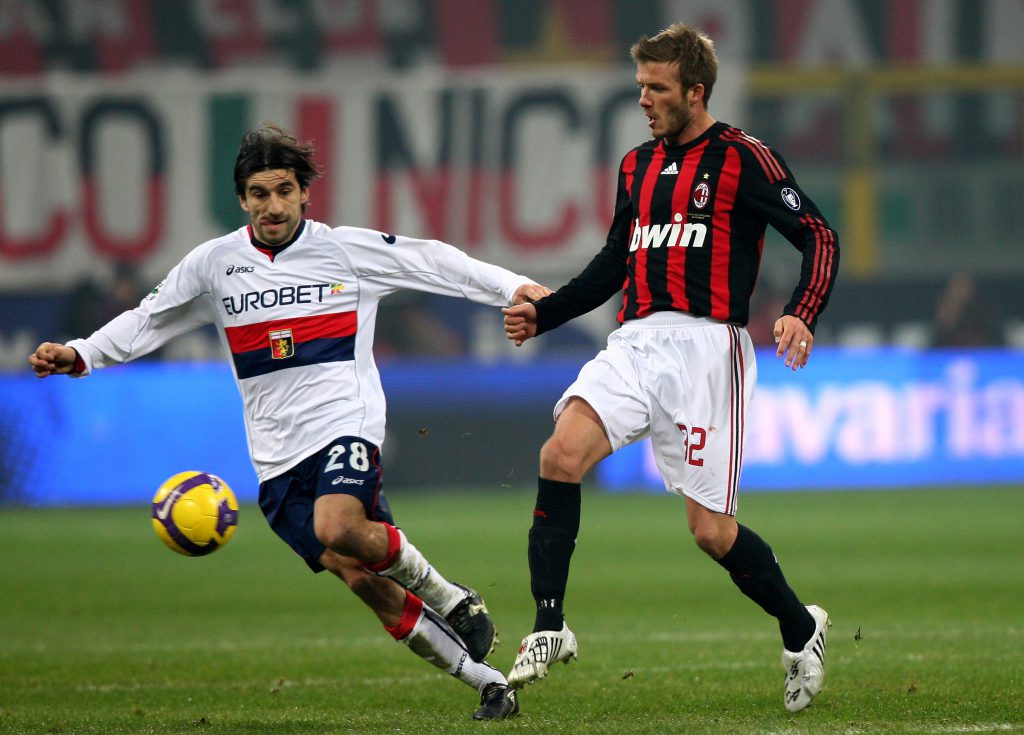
{"points": [[295, 303], [684, 250]]}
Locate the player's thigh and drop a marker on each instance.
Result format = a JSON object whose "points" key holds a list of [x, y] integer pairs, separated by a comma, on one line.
{"points": [[349, 493], [578, 443], [349, 469], [338, 521], [611, 387], [699, 410], [287, 504]]}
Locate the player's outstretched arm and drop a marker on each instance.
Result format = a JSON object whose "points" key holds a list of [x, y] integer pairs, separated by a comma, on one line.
{"points": [[529, 292], [520, 322], [51, 358], [794, 340]]}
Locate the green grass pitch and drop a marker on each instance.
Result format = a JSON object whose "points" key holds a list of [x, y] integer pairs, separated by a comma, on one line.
{"points": [[103, 630]]}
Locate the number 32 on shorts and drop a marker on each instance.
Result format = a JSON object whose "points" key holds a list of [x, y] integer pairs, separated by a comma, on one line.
{"points": [[693, 441]]}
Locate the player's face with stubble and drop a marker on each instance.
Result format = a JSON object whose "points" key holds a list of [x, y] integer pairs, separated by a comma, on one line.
{"points": [[663, 100], [274, 202]]}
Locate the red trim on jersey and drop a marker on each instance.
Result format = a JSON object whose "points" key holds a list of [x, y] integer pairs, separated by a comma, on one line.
{"points": [[643, 289], [772, 168], [804, 306], [821, 274], [273, 251], [251, 337], [410, 616], [263, 249], [721, 225]]}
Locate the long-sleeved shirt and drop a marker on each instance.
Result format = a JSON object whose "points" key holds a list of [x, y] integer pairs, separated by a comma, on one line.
{"points": [[297, 323], [688, 234]]}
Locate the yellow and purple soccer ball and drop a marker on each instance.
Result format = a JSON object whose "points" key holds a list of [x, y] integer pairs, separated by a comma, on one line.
{"points": [[195, 513]]}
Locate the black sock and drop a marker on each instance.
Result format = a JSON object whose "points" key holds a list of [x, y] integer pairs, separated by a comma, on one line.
{"points": [[556, 522], [754, 569]]}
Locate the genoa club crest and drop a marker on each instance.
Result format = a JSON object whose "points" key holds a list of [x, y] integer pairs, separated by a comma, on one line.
{"points": [[282, 345]]}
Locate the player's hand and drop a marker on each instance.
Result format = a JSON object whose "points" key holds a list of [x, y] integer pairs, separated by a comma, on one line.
{"points": [[529, 292], [520, 322], [794, 340], [51, 358]]}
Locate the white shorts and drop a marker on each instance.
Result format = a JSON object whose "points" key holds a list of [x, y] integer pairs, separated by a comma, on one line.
{"points": [[686, 382]]}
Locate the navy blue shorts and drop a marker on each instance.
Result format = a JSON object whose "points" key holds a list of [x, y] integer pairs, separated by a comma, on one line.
{"points": [[349, 466]]}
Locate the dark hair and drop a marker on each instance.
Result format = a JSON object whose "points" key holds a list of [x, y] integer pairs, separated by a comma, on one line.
{"points": [[679, 44], [271, 147]]}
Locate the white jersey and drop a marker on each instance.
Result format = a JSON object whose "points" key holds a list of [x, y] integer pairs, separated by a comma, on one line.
{"points": [[298, 326]]}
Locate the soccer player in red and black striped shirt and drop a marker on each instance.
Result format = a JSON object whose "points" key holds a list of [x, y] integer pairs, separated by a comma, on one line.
{"points": [[684, 249]]}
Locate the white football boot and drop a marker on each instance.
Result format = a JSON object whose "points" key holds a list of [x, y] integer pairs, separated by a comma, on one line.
{"points": [[538, 651], [805, 671]]}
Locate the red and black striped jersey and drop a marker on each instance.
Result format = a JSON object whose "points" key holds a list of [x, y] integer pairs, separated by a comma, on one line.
{"points": [[688, 234]]}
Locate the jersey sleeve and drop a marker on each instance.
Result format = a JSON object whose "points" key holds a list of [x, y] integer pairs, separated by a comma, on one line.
{"points": [[602, 277], [774, 194], [397, 262], [174, 307]]}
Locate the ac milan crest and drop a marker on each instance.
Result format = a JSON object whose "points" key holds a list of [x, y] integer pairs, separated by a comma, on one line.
{"points": [[701, 195]]}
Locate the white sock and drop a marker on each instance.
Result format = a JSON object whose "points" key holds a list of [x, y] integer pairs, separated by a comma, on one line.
{"points": [[434, 641], [411, 570]]}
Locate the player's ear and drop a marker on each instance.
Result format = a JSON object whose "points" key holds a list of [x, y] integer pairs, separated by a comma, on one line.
{"points": [[304, 196], [241, 202], [696, 93]]}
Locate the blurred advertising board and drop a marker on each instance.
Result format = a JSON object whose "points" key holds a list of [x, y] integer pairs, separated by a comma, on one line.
{"points": [[854, 418], [872, 418]]}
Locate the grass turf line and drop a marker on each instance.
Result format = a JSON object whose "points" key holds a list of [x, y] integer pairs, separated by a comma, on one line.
{"points": [[103, 630]]}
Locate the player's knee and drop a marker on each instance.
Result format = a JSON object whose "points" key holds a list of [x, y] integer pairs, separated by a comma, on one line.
{"points": [[711, 540], [562, 460], [341, 538]]}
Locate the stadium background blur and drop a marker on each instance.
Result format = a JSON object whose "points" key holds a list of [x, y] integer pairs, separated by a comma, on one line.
{"points": [[497, 125]]}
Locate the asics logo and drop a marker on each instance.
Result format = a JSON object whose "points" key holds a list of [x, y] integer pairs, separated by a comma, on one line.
{"points": [[165, 507], [346, 481], [240, 269], [681, 235], [389, 239]]}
